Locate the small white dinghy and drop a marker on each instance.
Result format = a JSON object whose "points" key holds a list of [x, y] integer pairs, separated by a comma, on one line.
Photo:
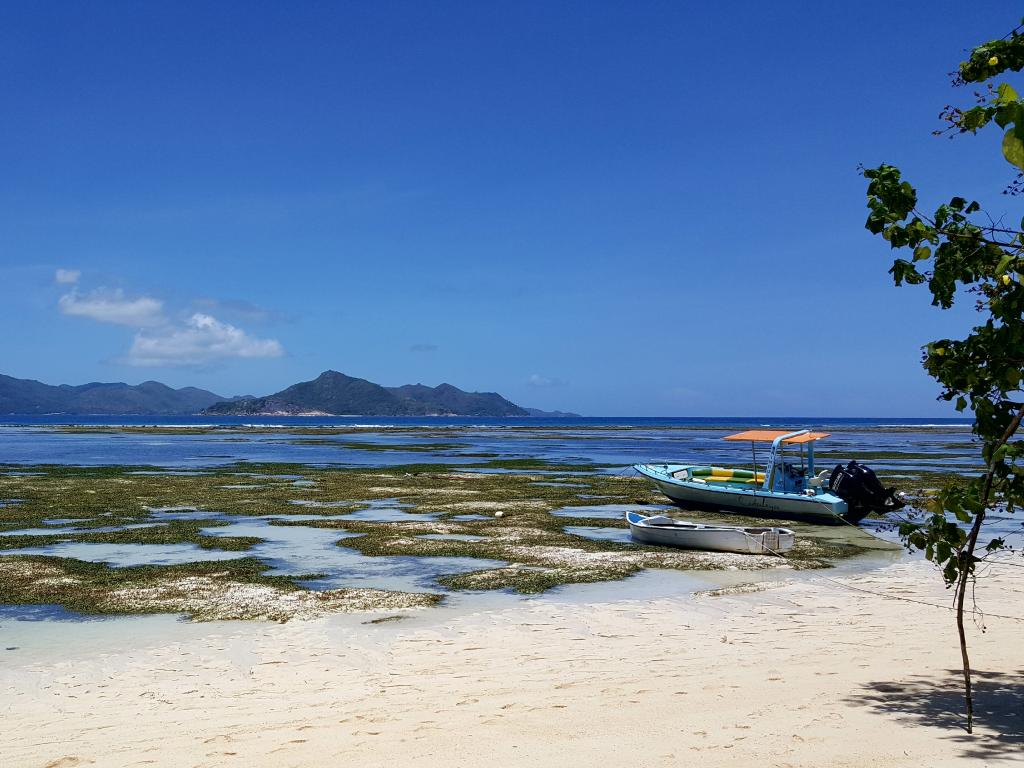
{"points": [[714, 538]]}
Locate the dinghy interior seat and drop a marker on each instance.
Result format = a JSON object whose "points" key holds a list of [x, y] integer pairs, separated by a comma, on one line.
{"points": [[659, 520]]}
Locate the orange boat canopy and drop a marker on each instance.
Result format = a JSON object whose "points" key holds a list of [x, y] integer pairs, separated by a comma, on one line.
{"points": [[767, 435]]}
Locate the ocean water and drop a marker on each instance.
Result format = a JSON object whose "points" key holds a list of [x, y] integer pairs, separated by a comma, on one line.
{"points": [[923, 444]]}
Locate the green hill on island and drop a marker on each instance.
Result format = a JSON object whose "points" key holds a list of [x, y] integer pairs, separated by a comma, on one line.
{"points": [[28, 396], [335, 394]]}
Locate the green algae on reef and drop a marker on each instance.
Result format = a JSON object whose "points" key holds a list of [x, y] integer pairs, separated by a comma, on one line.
{"points": [[539, 552], [232, 589]]}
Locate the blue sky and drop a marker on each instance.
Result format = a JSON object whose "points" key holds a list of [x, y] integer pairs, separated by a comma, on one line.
{"points": [[642, 208]]}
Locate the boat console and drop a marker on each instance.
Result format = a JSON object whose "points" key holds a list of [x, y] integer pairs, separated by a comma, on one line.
{"points": [[790, 479]]}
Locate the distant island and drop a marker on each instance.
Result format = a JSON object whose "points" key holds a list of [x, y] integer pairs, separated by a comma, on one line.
{"points": [[27, 396], [330, 394], [335, 394]]}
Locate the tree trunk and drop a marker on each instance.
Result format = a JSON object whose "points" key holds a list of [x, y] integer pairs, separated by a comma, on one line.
{"points": [[967, 566], [966, 572]]}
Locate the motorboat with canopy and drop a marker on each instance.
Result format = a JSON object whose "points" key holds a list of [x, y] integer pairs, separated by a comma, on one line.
{"points": [[785, 489]]}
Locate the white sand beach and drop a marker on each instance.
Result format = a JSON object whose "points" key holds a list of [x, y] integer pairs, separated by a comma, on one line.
{"points": [[802, 673]]}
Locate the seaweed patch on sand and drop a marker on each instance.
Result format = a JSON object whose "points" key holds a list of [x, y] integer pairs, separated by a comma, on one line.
{"points": [[203, 591], [410, 511]]}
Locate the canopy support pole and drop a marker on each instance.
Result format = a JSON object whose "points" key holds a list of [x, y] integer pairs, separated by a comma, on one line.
{"points": [[753, 455]]}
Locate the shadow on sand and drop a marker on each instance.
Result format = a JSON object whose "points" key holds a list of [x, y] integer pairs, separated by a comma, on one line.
{"points": [[998, 709]]}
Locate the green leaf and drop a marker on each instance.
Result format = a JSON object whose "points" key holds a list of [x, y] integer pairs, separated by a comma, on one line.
{"points": [[961, 403], [1006, 93], [904, 270], [976, 118], [922, 252], [954, 505], [1013, 149]]}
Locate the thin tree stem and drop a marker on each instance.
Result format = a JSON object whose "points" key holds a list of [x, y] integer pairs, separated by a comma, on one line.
{"points": [[966, 573], [967, 567], [1013, 244]]}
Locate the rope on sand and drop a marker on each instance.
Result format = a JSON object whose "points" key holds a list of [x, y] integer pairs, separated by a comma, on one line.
{"points": [[973, 612], [844, 585]]}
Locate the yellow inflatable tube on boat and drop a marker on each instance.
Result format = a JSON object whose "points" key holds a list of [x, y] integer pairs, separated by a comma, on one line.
{"points": [[726, 474]]}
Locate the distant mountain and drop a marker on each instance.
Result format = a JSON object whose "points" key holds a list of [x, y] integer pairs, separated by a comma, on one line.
{"points": [[448, 400], [27, 396], [552, 414], [335, 394]]}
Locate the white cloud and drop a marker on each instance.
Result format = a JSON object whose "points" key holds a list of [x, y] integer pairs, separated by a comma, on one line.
{"points": [[164, 339], [202, 339], [112, 306], [536, 380], [67, 276]]}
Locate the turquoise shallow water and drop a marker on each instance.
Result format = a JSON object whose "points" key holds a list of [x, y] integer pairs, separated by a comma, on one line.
{"points": [[289, 550]]}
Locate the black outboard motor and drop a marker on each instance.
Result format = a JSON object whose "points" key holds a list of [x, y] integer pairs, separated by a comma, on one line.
{"points": [[861, 489]]}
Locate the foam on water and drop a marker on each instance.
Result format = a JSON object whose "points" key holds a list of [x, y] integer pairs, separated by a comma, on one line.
{"points": [[321, 504], [450, 537]]}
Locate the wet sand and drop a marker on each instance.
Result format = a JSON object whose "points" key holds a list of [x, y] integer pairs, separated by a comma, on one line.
{"points": [[800, 673]]}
